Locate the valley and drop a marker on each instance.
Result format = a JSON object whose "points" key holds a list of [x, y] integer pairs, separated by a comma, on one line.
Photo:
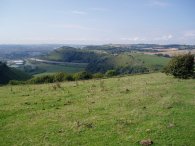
{"points": [[72, 59]]}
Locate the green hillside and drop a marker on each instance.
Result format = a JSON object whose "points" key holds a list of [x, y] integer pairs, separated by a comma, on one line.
{"points": [[124, 62], [70, 54], [7, 74], [127, 61], [114, 111]]}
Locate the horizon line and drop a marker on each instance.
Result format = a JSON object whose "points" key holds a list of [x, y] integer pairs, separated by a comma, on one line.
{"points": [[95, 44]]}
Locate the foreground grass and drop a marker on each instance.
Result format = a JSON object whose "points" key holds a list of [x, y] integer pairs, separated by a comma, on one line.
{"points": [[115, 111]]}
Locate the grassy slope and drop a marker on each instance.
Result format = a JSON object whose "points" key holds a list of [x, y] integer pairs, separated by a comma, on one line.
{"points": [[55, 56], [115, 111], [123, 60], [138, 59], [151, 60]]}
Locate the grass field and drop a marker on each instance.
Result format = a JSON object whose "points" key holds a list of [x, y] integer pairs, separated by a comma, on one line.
{"points": [[114, 111], [53, 68], [139, 59], [151, 60]]}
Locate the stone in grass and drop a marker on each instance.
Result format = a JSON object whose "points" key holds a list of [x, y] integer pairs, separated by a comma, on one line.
{"points": [[148, 130], [171, 125], [146, 142]]}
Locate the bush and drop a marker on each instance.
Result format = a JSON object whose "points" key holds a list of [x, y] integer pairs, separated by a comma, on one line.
{"points": [[69, 78], [111, 73], [82, 76], [181, 66], [42, 79], [98, 75], [59, 77], [131, 70], [16, 82]]}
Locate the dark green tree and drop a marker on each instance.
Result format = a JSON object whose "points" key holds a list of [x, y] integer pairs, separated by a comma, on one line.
{"points": [[181, 66]]}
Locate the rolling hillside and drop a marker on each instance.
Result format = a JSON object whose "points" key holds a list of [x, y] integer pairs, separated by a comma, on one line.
{"points": [[101, 62], [128, 62], [114, 111]]}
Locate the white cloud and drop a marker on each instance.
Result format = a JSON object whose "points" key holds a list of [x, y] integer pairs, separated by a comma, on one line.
{"points": [[159, 3], [74, 26], [99, 9], [133, 39], [77, 12], [190, 33], [164, 37], [168, 37], [187, 37], [71, 26]]}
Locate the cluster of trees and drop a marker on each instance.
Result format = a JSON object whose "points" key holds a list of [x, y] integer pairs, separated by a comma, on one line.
{"points": [[163, 55], [58, 77], [3, 71], [7, 74], [132, 70], [100, 65], [61, 77]]}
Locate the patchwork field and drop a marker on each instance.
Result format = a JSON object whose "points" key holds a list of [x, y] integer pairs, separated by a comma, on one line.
{"points": [[171, 52], [114, 111]]}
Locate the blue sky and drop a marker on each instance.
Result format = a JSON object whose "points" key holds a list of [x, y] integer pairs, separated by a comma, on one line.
{"points": [[97, 21]]}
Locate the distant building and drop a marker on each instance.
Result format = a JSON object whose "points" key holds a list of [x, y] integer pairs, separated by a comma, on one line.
{"points": [[15, 63], [18, 62]]}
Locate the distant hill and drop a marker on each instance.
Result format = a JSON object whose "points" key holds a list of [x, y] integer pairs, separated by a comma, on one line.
{"points": [[119, 48], [104, 58], [7, 74], [70, 54]]}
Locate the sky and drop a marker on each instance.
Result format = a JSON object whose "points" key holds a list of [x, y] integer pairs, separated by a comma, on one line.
{"points": [[97, 21]]}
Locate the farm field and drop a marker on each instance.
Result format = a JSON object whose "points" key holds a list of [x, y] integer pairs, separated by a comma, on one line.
{"points": [[53, 68], [44, 68], [171, 52], [150, 60], [113, 111]]}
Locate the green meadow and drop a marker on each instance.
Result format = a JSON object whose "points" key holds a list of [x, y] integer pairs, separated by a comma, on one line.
{"points": [[53, 68], [114, 111]]}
